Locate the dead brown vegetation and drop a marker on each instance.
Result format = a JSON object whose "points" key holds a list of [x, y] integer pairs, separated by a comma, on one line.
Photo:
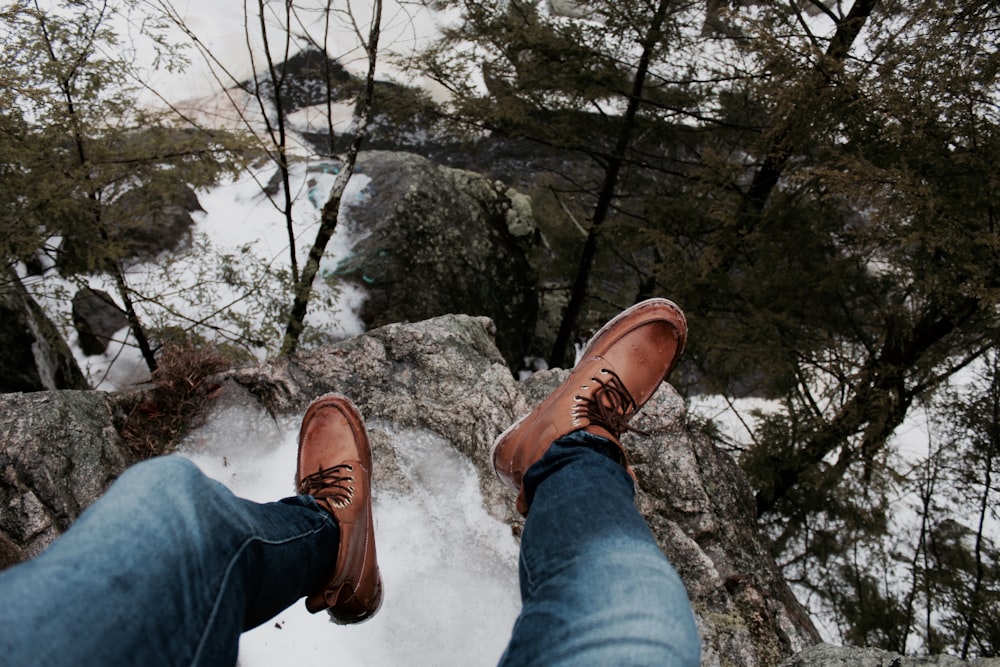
{"points": [[182, 386]]}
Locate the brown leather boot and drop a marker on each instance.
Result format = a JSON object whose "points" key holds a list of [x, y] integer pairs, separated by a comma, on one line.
{"points": [[334, 467], [622, 367]]}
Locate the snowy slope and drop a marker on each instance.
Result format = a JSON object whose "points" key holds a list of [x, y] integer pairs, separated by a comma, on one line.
{"points": [[449, 569]]}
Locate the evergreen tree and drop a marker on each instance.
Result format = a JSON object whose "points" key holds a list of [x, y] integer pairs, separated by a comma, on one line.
{"points": [[595, 90], [962, 579], [890, 170], [74, 141], [818, 190]]}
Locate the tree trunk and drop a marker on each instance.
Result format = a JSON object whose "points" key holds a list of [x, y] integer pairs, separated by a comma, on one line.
{"points": [[605, 198], [330, 214], [66, 86], [878, 406], [135, 325], [278, 135]]}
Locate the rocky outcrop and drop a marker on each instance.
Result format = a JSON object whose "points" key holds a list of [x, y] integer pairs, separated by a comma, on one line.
{"points": [[140, 224], [59, 450], [440, 240], [573, 9], [446, 375], [33, 354], [96, 318], [825, 655]]}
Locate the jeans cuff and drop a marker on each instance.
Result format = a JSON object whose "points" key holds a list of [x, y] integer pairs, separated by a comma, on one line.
{"points": [[597, 443]]}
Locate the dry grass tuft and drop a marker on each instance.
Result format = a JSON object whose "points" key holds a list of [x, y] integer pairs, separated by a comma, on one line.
{"points": [[181, 388]]}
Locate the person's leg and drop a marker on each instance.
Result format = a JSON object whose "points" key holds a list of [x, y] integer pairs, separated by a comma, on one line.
{"points": [[595, 587], [167, 568]]}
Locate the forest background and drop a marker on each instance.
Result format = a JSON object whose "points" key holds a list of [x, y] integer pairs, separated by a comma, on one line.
{"points": [[814, 182]]}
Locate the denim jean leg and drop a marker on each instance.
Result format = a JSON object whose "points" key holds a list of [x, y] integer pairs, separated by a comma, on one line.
{"points": [[595, 588], [167, 568]]}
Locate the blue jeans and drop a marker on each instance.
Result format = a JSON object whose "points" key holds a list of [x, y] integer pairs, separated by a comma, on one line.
{"points": [[595, 587], [169, 567]]}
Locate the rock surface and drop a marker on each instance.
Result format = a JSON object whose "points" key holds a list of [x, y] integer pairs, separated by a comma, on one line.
{"points": [[96, 318], [33, 355], [825, 655], [140, 224], [59, 450], [440, 240], [446, 375]]}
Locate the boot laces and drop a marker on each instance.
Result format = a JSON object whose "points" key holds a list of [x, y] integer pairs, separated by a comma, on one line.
{"points": [[610, 405], [334, 484]]}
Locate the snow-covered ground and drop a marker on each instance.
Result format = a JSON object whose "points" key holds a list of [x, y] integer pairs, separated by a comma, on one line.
{"points": [[239, 225], [449, 569], [219, 26]]}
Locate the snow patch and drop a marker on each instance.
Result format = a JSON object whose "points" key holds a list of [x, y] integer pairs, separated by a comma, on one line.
{"points": [[449, 568]]}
